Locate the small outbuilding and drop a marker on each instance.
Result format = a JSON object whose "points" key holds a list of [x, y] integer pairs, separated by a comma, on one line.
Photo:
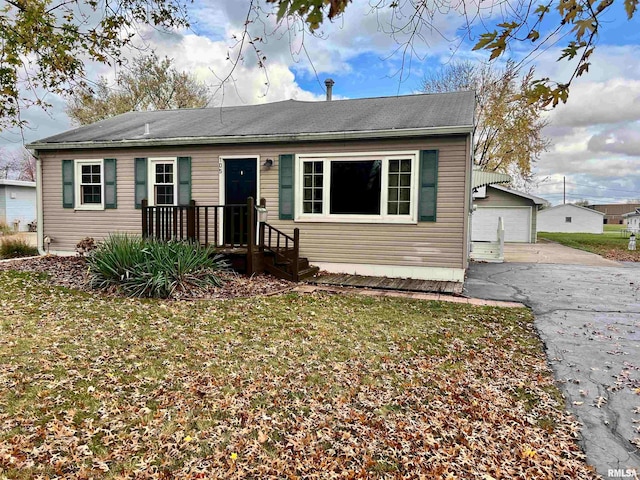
{"points": [[570, 219], [518, 211], [17, 204], [632, 219]]}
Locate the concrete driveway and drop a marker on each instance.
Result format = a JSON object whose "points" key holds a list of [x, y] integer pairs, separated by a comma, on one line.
{"points": [[548, 252], [588, 317]]}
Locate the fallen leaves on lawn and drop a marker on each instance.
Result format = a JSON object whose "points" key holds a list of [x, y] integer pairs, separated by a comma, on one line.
{"points": [[72, 272], [314, 386]]}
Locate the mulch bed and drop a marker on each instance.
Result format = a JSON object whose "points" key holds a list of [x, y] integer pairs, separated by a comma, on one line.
{"points": [[621, 255], [72, 272]]}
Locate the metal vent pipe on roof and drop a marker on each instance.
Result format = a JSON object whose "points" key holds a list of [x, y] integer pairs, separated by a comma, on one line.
{"points": [[329, 83], [146, 129]]}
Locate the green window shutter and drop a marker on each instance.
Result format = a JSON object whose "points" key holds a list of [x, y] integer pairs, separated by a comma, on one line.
{"points": [[286, 170], [67, 183], [141, 180], [110, 190], [184, 180], [428, 186]]}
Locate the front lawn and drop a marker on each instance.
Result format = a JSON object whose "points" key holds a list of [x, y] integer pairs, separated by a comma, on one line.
{"points": [[289, 386], [610, 245]]}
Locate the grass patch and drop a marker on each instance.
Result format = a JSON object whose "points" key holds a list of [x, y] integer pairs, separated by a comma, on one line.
{"points": [[16, 247], [286, 386], [613, 246], [613, 228]]}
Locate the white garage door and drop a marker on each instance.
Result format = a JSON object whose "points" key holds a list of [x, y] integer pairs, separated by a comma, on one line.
{"points": [[517, 224]]}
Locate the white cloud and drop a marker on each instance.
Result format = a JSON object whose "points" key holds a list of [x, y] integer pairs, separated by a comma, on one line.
{"points": [[606, 102], [622, 140], [596, 134]]}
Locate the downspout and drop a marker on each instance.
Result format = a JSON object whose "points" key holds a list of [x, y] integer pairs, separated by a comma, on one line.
{"points": [[39, 208], [470, 202]]}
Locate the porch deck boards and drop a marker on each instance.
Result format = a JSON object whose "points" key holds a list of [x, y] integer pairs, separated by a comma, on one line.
{"points": [[384, 283]]}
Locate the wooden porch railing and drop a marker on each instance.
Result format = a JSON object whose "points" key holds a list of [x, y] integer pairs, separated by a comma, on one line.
{"points": [[285, 248], [226, 227], [229, 226]]}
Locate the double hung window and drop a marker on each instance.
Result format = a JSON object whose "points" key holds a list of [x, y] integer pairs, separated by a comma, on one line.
{"points": [[89, 185], [162, 179]]}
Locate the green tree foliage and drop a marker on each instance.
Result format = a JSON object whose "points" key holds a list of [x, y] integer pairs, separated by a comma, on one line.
{"points": [[572, 24], [150, 84], [44, 43], [508, 133]]}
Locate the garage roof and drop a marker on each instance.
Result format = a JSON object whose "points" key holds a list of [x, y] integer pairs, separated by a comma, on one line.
{"points": [[533, 198]]}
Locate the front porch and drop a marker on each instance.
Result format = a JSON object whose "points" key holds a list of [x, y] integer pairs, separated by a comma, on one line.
{"points": [[236, 231]]}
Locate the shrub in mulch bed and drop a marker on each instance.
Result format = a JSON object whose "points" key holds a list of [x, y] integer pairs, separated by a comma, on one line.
{"points": [[73, 272], [151, 268]]}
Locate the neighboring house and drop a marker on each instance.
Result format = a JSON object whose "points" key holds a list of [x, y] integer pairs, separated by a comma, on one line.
{"points": [[519, 212], [632, 220], [614, 212], [376, 186], [570, 219], [17, 203]]}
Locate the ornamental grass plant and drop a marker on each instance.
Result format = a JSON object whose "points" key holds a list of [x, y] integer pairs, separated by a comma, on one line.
{"points": [[151, 268], [16, 247]]}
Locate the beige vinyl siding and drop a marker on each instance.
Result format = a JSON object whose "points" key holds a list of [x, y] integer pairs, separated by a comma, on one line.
{"points": [[426, 244], [498, 198], [67, 226]]}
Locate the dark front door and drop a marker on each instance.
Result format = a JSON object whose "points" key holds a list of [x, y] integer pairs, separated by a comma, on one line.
{"points": [[240, 183]]}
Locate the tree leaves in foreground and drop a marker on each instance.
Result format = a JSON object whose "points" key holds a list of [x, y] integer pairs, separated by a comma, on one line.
{"points": [[508, 134], [45, 44], [574, 25], [150, 84]]}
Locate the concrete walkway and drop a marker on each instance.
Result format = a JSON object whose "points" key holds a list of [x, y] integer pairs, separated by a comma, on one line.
{"points": [[589, 320], [553, 253]]}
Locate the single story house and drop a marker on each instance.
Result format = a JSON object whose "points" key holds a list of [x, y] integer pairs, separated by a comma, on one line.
{"points": [[570, 218], [632, 220], [373, 186], [614, 212], [17, 204], [519, 212]]}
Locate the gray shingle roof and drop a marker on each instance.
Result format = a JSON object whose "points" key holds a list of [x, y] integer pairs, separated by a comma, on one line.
{"points": [[288, 118]]}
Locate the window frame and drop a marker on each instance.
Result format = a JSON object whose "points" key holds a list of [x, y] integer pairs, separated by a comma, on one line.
{"points": [[78, 164], [384, 216], [567, 220], [151, 179]]}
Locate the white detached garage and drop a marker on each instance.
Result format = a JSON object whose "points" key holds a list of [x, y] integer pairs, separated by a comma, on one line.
{"points": [[570, 219], [518, 211]]}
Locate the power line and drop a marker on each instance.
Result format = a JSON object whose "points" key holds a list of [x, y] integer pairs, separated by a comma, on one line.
{"points": [[593, 186]]}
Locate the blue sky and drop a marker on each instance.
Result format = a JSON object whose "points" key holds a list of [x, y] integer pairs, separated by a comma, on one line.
{"points": [[595, 136]]}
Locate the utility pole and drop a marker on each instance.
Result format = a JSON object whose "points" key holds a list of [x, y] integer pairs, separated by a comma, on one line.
{"points": [[564, 190]]}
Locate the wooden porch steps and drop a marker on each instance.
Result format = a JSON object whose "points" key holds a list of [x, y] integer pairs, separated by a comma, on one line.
{"points": [[283, 268]]}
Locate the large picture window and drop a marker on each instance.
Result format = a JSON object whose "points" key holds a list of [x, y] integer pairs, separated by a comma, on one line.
{"points": [[355, 187], [359, 187]]}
